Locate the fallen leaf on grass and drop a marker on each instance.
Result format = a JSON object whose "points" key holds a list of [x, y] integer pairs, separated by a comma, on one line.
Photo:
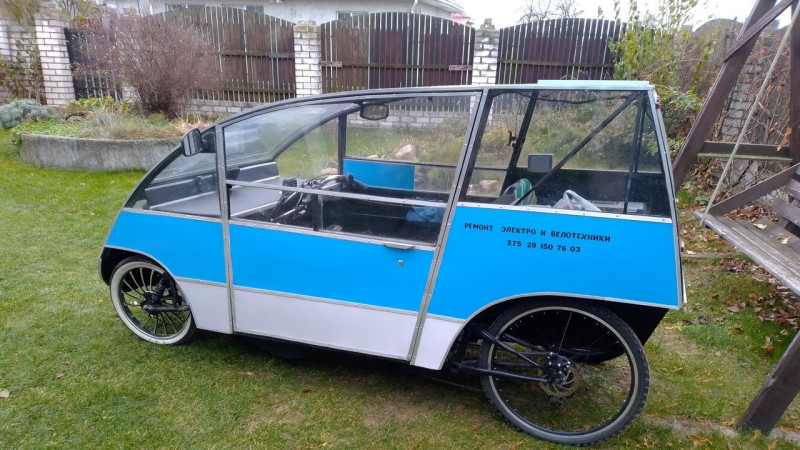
{"points": [[59, 375], [729, 423], [65, 363], [733, 309], [768, 346], [307, 390], [691, 252], [246, 373], [736, 330], [4, 393]]}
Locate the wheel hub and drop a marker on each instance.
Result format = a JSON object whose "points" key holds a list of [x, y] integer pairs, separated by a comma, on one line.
{"points": [[563, 377]]}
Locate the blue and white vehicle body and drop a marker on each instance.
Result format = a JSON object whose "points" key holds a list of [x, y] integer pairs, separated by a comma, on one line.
{"points": [[402, 223]]}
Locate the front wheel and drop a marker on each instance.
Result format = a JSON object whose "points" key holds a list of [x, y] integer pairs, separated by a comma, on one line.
{"points": [[149, 302], [546, 381]]}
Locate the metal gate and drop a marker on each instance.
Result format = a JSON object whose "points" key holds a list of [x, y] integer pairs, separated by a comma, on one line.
{"points": [[84, 55]]}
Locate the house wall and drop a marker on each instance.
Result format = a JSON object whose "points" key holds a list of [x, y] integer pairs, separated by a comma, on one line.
{"points": [[319, 11]]}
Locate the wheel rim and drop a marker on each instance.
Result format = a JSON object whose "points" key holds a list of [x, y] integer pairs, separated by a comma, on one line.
{"points": [[592, 397], [129, 287]]}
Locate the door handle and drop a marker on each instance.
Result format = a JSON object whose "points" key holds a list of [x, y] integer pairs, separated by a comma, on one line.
{"points": [[398, 245]]}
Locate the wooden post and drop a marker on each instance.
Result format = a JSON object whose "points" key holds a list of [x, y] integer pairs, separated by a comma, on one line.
{"points": [[778, 391], [719, 93], [794, 89]]}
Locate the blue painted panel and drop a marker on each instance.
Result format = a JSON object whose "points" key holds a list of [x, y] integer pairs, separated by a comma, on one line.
{"points": [[381, 173], [188, 248], [494, 254], [327, 267]]}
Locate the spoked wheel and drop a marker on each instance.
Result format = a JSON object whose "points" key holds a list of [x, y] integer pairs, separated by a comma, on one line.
{"points": [[149, 302], [561, 393]]}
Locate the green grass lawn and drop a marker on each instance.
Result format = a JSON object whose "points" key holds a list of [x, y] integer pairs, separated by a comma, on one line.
{"points": [[77, 378]]}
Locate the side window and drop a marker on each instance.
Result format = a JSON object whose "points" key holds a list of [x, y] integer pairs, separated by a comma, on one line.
{"points": [[377, 168], [416, 147], [182, 185], [590, 150]]}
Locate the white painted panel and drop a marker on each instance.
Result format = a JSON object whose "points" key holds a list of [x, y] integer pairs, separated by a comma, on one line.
{"points": [[328, 324], [437, 338], [209, 304]]}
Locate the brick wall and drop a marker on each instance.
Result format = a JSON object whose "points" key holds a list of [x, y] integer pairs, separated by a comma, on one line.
{"points": [[52, 43], [308, 75], [487, 47]]}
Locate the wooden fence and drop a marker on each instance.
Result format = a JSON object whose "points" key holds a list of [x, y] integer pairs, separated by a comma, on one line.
{"points": [[557, 49], [386, 50], [255, 55]]}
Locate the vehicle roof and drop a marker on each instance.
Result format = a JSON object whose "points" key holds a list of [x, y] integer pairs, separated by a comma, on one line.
{"points": [[600, 85]]}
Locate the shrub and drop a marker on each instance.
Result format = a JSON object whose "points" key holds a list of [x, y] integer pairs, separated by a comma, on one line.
{"points": [[658, 47], [163, 59], [21, 74], [18, 111], [85, 106]]}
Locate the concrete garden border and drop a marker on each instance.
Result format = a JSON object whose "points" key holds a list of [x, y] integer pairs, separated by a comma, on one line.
{"points": [[93, 155]]}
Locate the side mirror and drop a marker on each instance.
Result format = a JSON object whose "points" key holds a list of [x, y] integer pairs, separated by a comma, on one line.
{"points": [[374, 112], [191, 142]]}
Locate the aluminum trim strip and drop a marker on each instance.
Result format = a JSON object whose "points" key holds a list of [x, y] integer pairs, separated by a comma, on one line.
{"points": [[445, 318], [170, 214], [376, 198], [225, 211], [565, 295], [325, 233], [661, 135], [599, 215], [196, 281], [455, 192]]}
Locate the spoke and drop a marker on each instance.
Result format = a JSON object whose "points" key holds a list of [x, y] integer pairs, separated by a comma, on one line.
{"points": [[174, 328], [125, 282], [138, 286], [135, 298], [569, 319], [181, 318], [152, 272], [519, 341]]}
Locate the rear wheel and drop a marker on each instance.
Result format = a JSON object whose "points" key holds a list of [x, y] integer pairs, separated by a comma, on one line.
{"points": [[149, 302], [563, 393]]}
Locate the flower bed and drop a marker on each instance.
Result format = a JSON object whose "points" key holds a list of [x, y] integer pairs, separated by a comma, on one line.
{"points": [[93, 155]]}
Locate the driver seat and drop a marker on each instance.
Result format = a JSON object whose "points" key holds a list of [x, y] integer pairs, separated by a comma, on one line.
{"points": [[515, 192]]}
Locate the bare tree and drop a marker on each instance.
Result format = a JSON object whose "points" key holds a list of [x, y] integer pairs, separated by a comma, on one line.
{"points": [[536, 10]]}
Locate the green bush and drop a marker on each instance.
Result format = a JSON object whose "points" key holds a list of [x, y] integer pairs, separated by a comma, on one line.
{"points": [[18, 111], [84, 106]]}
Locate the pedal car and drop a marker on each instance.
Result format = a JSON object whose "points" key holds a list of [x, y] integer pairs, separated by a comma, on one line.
{"points": [[526, 234]]}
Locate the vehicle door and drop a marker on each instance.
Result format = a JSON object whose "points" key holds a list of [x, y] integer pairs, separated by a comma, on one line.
{"points": [[334, 212], [566, 194]]}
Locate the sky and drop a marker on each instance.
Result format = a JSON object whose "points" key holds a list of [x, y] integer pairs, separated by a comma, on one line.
{"points": [[506, 12]]}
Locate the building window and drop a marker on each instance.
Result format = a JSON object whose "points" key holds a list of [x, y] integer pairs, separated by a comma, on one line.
{"points": [[254, 8], [172, 6], [341, 15]]}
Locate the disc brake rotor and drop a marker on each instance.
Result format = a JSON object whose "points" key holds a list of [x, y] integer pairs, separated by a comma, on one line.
{"points": [[570, 379]]}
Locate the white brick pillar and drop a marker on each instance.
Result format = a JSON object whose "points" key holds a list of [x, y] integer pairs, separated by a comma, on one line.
{"points": [[52, 43], [486, 51], [307, 71]]}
